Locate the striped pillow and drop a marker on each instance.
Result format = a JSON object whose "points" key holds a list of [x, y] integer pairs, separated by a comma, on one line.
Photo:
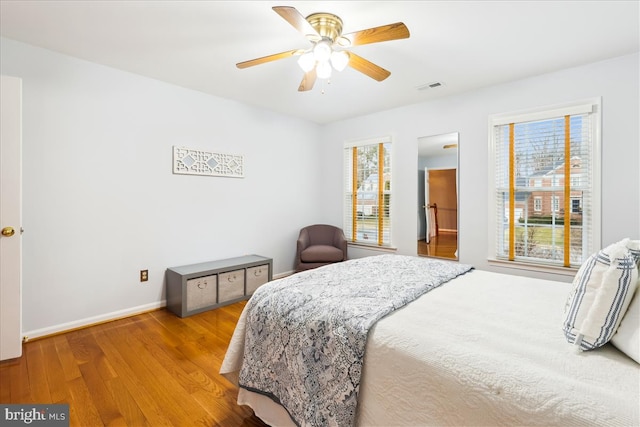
{"points": [[601, 293], [634, 249]]}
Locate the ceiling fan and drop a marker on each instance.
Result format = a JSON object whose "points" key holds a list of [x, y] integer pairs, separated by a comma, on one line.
{"points": [[328, 51]]}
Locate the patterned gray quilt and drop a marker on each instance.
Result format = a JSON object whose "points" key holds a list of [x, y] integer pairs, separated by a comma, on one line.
{"points": [[306, 334]]}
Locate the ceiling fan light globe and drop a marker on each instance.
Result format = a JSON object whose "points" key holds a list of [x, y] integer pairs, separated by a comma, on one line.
{"points": [[322, 51], [339, 60], [307, 62], [323, 70]]}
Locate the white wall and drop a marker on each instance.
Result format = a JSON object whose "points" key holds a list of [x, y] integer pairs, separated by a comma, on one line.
{"points": [[616, 81], [438, 162], [101, 202]]}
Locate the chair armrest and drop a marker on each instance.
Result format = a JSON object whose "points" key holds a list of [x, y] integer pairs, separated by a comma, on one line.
{"points": [[339, 241]]}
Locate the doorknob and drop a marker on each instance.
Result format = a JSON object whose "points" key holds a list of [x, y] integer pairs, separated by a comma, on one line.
{"points": [[8, 231]]}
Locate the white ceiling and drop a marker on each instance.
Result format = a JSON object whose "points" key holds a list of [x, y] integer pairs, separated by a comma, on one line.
{"points": [[462, 44], [438, 145]]}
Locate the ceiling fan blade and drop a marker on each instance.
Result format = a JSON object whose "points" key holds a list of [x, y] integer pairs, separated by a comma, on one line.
{"points": [[308, 81], [366, 67], [268, 58], [295, 18], [378, 34]]}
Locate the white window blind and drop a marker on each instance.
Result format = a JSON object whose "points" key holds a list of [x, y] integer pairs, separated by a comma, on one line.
{"points": [[367, 192], [545, 187]]}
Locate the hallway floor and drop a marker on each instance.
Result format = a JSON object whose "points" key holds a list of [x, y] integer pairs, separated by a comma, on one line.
{"points": [[444, 245]]}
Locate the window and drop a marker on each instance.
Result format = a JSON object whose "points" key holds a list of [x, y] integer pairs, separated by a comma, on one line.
{"points": [[576, 205], [367, 192], [575, 180], [545, 176], [537, 204]]}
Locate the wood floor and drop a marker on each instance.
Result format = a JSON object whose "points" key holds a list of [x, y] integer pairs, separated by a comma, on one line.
{"points": [[444, 245], [152, 369]]}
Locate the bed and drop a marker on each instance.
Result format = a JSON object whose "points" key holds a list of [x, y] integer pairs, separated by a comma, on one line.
{"points": [[470, 347]]}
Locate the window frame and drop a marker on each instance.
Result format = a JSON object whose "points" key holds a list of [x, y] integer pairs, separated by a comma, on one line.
{"points": [[347, 216], [592, 105]]}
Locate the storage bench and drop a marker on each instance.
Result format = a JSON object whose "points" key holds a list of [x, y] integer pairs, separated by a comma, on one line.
{"points": [[196, 288]]}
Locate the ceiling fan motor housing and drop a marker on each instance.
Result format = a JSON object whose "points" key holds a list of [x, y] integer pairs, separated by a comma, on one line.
{"points": [[326, 25]]}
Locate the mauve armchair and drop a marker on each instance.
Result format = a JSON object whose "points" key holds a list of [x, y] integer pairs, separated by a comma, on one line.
{"points": [[318, 245]]}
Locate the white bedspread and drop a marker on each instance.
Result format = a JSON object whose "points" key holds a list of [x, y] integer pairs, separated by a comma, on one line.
{"points": [[485, 349]]}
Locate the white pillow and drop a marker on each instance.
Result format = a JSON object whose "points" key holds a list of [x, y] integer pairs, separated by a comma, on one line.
{"points": [[601, 293], [627, 339]]}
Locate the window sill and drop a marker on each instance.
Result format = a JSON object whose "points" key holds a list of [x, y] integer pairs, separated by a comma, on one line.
{"points": [[372, 247], [551, 269]]}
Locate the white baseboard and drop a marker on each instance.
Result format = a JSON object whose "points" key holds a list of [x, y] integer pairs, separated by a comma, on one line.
{"points": [[69, 326], [115, 315], [281, 275]]}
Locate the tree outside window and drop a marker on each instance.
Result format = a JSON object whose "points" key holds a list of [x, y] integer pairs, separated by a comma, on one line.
{"points": [[544, 180]]}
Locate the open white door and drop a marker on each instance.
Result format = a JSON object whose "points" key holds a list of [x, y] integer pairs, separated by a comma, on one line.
{"points": [[426, 206], [10, 218]]}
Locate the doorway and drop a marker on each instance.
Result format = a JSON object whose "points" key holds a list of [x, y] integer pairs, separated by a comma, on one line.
{"points": [[438, 196]]}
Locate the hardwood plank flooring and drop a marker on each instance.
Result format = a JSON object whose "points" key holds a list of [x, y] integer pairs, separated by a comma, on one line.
{"points": [[152, 369], [444, 245]]}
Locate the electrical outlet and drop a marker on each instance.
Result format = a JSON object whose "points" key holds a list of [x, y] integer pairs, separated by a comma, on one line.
{"points": [[144, 275]]}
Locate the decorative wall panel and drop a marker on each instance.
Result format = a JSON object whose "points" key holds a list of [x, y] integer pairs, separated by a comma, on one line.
{"points": [[188, 161]]}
